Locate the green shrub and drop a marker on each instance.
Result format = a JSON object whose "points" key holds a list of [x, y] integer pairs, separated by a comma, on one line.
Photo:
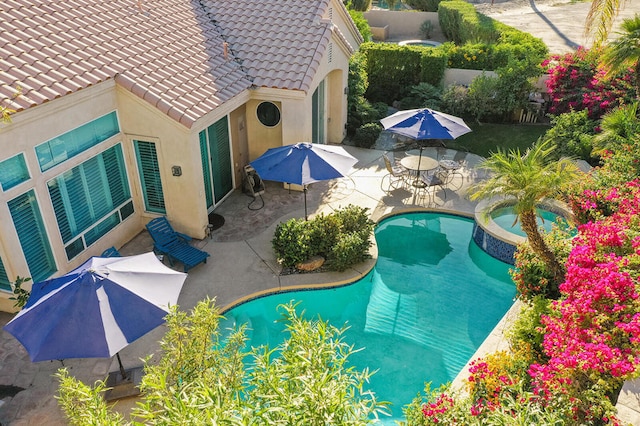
{"points": [[343, 238], [424, 95], [433, 62], [204, 376], [463, 25], [347, 251], [358, 107], [367, 135], [572, 133], [355, 219], [424, 5], [531, 275], [455, 100], [426, 29], [359, 5], [323, 231], [526, 330], [361, 24], [20, 295], [292, 242]]}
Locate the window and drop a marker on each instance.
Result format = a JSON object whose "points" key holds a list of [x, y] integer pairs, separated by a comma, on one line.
{"points": [[27, 221], [268, 114], [91, 199], [5, 284], [149, 170], [13, 171], [57, 150]]}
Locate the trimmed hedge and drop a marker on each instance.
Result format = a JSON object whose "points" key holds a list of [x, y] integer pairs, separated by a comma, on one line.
{"points": [[393, 70], [462, 24]]}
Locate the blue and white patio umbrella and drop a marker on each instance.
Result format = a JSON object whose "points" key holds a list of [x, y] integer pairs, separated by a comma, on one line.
{"points": [[425, 123], [304, 163], [97, 309]]}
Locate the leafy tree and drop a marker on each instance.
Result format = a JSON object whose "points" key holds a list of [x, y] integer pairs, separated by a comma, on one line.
{"points": [[202, 379], [624, 52], [529, 179]]}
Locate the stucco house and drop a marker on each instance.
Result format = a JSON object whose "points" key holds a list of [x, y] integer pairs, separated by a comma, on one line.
{"points": [[132, 109]]}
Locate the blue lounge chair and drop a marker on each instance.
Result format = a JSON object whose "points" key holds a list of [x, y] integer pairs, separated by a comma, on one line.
{"points": [[111, 252], [174, 245]]}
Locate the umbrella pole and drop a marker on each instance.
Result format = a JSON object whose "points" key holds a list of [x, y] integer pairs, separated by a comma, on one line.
{"points": [[305, 202], [122, 372], [419, 161]]}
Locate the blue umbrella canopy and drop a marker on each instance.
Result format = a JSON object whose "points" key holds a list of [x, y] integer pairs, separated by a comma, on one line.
{"points": [[303, 163], [425, 123], [97, 309]]}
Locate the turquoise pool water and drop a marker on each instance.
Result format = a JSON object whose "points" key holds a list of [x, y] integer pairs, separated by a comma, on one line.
{"points": [[504, 218], [421, 313]]}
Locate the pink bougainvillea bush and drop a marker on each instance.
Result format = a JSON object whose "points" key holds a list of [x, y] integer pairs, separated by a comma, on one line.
{"points": [[591, 337], [576, 82]]}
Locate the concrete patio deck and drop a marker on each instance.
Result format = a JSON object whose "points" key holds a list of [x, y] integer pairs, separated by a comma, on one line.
{"points": [[242, 263]]}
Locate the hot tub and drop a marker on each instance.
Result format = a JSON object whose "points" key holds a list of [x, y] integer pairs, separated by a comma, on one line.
{"points": [[493, 230], [423, 43]]}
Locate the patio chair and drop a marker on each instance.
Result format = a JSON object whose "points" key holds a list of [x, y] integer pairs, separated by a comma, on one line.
{"points": [[111, 252], [431, 182], [452, 168], [174, 245], [396, 178]]}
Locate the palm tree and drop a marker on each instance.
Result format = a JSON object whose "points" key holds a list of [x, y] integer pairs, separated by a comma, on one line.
{"points": [[600, 18], [624, 52], [618, 127], [529, 179]]}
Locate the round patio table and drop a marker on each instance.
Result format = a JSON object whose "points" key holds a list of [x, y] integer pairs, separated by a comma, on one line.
{"points": [[418, 164]]}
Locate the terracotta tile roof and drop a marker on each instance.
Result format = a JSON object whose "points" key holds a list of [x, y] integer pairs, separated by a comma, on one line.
{"points": [[168, 52], [279, 43], [56, 47]]}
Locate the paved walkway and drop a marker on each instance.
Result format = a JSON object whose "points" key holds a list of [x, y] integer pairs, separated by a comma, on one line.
{"points": [[559, 23], [241, 263]]}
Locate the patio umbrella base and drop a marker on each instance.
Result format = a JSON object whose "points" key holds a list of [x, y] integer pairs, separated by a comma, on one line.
{"points": [[124, 387]]}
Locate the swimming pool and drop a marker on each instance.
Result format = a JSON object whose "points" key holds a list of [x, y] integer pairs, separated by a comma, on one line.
{"points": [[421, 313]]}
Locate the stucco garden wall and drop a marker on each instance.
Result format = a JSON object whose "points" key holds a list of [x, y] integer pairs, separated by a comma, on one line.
{"points": [[403, 25]]}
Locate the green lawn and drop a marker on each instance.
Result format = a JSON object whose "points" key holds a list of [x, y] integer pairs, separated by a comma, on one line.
{"points": [[487, 138]]}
